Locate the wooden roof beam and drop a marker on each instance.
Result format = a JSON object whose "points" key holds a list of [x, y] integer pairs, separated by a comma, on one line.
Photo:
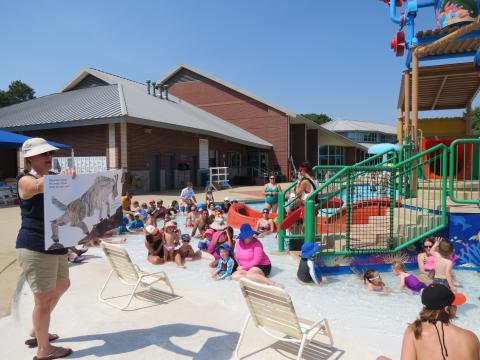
{"points": [[439, 92]]}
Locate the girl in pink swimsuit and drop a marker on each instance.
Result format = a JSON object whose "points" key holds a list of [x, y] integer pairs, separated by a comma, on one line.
{"points": [[407, 280]]}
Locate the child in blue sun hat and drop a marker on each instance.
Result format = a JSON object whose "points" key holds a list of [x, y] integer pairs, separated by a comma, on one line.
{"points": [[308, 268], [225, 264]]}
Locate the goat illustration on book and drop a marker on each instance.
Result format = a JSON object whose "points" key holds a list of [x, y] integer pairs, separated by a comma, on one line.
{"points": [[98, 196]]}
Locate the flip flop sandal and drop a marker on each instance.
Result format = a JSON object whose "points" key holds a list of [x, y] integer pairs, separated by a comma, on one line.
{"points": [[32, 343], [57, 354]]}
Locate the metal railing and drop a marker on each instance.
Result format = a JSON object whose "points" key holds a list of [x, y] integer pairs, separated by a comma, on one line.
{"points": [[464, 174], [380, 205]]}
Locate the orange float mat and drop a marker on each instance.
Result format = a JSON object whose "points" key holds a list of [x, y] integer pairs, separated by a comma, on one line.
{"points": [[239, 214]]}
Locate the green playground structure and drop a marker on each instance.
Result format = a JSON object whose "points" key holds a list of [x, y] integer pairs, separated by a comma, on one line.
{"points": [[386, 202]]}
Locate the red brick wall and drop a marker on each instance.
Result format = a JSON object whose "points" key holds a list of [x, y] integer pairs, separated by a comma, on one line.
{"points": [[297, 136], [162, 141], [85, 140], [251, 115]]}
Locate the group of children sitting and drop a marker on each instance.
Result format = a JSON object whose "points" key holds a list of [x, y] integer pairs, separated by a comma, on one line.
{"points": [[438, 266]]}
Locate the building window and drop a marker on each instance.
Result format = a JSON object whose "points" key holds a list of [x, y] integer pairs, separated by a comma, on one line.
{"points": [[330, 155], [385, 138], [233, 159]]}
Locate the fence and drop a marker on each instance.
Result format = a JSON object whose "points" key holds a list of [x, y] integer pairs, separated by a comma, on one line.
{"points": [[381, 204]]}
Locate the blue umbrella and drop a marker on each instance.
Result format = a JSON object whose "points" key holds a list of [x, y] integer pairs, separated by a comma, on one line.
{"points": [[379, 148], [14, 140]]}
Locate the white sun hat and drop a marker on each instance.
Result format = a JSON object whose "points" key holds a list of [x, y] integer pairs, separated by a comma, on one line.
{"points": [[36, 146]]}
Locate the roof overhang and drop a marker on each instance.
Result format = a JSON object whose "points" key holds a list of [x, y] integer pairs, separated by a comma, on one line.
{"points": [[444, 87]]}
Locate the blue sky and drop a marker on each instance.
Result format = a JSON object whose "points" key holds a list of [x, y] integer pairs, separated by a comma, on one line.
{"points": [[305, 55]]}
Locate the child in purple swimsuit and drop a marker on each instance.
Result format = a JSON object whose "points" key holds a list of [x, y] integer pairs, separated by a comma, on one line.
{"points": [[407, 280]]}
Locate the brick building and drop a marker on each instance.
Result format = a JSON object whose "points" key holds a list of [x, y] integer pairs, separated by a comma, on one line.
{"points": [[171, 133], [294, 137], [161, 140]]}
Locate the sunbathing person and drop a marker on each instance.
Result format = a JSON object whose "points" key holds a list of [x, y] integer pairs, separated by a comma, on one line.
{"points": [[154, 245], [202, 223], [253, 262], [433, 336], [265, 225], [186, 252]]}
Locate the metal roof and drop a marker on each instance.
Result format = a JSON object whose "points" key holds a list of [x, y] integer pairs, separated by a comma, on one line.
{"points": [[356, 125], [121, 98], [92, 103], [184, 73], [443, 87]]}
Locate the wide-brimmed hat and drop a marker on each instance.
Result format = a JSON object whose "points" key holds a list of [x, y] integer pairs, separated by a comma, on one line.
{"points": [[246, 231], [309, 249], [224, 246], [436, 297], [36, 146], [201, 206]]}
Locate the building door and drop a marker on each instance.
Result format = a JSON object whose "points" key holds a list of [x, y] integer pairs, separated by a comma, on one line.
{"points": [[154, 167], [194, 170], [257, 163], [169, 171]]}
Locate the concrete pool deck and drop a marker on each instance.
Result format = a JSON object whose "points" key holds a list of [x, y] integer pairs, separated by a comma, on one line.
{"points": [[10, 223], [204, 320]]}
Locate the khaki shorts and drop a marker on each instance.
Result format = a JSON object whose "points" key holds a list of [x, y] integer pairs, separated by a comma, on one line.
{"points": [[42, 271]]}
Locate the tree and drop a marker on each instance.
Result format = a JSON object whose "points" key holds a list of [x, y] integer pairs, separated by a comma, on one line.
{"points": [[476, 121], [17, 92], [318, 118]]}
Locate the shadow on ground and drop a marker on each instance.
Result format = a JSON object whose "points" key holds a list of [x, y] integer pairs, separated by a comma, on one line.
{"points": [[122, 342], [313, 351]]}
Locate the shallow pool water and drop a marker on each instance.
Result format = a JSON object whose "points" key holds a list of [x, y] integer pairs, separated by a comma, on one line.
{"points": [[374, 321]]}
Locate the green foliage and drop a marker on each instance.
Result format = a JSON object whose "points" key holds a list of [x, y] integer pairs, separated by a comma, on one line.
{"points": [[476, 121], [318, 118], [17, 92]]}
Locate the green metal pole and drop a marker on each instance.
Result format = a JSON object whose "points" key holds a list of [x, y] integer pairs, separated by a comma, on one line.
{"points": [[309, 221], [281, 216]]}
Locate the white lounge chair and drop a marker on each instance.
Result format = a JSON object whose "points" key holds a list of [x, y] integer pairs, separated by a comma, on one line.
{"points": [[271, 309], [128, 273]]}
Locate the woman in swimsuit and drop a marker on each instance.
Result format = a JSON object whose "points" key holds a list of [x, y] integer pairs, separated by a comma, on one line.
{"points": [[425, 259], [265, 225], [271, 191], [154, 245], [307, 182]]}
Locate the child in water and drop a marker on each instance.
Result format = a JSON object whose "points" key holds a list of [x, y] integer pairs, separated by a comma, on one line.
{"points": [[308, 271], [442, 250], [225, 265], [407, 280], [373, 281]]}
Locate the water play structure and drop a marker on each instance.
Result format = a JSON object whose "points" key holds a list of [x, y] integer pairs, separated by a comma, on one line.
{"points": [[429, 184]]}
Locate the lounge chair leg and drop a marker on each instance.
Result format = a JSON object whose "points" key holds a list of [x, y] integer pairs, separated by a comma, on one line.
{"points": [[242, 334], [104, 286], [132, 294], [302, 346]]}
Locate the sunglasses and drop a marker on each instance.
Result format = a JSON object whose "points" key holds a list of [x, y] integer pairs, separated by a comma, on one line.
{"points": [[427, 246], [375, 278], [48, 153], [272, 178]]}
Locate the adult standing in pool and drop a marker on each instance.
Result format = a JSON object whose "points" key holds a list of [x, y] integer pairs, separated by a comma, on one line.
{"points": [[46, 272], [271, 191]]}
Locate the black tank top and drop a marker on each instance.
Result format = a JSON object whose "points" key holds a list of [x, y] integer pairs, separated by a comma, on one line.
{"points": [[303, 272], [32, 231]]}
